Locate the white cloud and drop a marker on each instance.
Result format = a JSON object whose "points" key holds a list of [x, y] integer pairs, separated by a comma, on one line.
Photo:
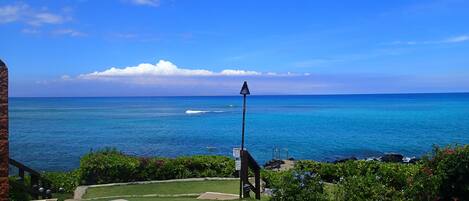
{"points": [[456, 39], [39, 19], [23, 13], [11, 13], [68, 32], [30, 31], [65, 77], [230, 72], [165, 68], [154, 3]]}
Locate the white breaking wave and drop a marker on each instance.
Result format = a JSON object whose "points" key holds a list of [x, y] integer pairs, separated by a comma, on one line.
{"points": [[201, 111], [196, 111]]}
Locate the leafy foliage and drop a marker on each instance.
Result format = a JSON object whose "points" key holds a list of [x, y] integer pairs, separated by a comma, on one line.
{"points": [[63, 181], [443, 176], [110, 166], [298, 186], [367, 187], [393, 174], [17, 190]]}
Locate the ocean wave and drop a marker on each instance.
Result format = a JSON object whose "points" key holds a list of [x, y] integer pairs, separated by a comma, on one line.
{"points": [[196, 111], [202, 111]]}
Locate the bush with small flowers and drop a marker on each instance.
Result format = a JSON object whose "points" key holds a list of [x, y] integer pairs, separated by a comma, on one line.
{"points": [[298, 186]]}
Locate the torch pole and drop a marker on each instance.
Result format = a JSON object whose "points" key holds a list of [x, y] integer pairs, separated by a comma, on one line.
{"points": [[242, 150]]}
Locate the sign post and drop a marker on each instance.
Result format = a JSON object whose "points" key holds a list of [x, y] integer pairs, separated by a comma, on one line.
{"points": [[244, 91], [237, 156]]}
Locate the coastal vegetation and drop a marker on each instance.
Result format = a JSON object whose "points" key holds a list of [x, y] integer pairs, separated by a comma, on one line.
{"points": [[440, 175]]}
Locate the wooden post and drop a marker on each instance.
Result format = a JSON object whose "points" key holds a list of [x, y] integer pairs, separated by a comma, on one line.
{"points": [[257, 178], [34, 186], [4, 154], [245, 172], [21, 175]]}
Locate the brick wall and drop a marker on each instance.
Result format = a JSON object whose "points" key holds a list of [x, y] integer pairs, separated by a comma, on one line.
{"points": [[4, 156]]}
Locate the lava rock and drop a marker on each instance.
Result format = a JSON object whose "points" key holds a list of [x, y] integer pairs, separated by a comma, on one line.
{"points": [[392, 158], [353, 158], [273, 164]]}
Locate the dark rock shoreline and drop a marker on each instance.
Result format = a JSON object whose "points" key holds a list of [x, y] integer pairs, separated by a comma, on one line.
{"points": [[387, 158]]}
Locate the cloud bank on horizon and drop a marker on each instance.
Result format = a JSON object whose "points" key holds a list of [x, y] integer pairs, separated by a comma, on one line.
{"points": [[166, 79], [166, 68]]}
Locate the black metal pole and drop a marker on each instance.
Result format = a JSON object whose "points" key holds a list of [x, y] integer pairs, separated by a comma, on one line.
{"points": [[242, 150]]}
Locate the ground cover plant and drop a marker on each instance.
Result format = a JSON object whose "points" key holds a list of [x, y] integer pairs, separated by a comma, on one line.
{"points": [[441, 175]]}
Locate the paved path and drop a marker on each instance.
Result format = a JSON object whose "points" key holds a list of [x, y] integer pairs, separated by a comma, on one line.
{"points": [[217, 196]]}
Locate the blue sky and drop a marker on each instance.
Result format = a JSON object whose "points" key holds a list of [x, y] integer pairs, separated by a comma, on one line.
{"points": [[208, 47]]}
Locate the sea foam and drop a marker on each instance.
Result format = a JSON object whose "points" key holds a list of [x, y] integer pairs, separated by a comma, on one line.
{"points": [[201, 111], [196, 111]]}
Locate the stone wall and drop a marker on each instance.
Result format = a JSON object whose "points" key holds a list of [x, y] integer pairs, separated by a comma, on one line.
{"points": [[4, 155]]}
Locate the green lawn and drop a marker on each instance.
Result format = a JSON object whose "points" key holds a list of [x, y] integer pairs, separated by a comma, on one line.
{"points": [[170, 188], [173, 188], [152, 199], [166, 199]]}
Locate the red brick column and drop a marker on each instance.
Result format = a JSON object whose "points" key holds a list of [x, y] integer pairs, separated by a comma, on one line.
{"points": [[4, 155]]}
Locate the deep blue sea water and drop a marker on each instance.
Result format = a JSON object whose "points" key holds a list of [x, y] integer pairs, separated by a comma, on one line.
{"points": [[52, 133]]}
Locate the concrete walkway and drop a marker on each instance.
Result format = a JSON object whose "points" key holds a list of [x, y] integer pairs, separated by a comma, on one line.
{"points": [[217, 196]]}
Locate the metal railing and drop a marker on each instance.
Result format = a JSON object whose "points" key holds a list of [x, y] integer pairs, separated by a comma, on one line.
{"points": [[248, 162], [38, 185]]}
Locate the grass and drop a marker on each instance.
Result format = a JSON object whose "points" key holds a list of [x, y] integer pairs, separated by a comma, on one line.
{"points": [[167, 199], [154, 199], [171, 188]]}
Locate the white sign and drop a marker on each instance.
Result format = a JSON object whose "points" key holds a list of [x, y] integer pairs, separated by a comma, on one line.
{"points": [[237, 164], [236, 153]]}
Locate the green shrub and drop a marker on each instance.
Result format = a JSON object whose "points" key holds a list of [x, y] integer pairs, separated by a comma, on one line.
{"points": [[393, 174], [328, 172], [444, 175], [108, 166], [17, 190], [298, 186], [271, 177], [68, 181], [366, 187]]}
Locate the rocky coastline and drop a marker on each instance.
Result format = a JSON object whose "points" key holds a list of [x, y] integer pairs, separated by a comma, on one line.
{"points": [[276, 164]]}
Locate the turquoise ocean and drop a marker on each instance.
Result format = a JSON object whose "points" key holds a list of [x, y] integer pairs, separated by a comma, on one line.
{"points": [[51, 134]]}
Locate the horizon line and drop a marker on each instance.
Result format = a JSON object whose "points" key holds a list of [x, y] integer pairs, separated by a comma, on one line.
{"points": [[175, 96]]}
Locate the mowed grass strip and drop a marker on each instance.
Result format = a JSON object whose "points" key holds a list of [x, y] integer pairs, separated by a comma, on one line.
{"points": [[152, 199], [167, 188], [170, 199]]}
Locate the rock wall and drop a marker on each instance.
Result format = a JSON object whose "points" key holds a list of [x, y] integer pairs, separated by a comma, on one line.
{"points": [[4, 155]]}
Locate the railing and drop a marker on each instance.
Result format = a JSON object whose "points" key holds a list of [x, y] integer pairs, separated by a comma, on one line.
{"points": [[248, 162], [38, 185]]}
